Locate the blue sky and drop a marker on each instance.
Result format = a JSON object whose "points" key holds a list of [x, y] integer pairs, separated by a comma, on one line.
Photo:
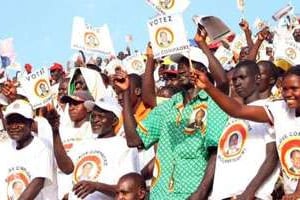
{"points": [[42, 29]]}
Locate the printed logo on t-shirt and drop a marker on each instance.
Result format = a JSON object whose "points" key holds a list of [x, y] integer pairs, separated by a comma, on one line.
{"points": [[156, 172], [289, 153], [17, 181], [89, 166], [232, 141], [198, 120]]}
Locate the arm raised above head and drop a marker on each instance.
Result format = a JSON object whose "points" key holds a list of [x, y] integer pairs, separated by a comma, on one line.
{"points": [[228, 104]]}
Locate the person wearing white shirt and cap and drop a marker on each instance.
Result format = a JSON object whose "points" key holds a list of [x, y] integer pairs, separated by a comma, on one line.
{"points": [[107, 156]]}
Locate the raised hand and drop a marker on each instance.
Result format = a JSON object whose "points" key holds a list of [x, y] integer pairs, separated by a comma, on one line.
{"points": [[9, 90], [244, 25], [200, 80], [120, 80], [201, 34], [264, 33], [149, 51], [52, 116]]}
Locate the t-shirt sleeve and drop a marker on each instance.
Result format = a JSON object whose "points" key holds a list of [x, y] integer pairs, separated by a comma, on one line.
{"points": [[274, 109], [216, 123], [270, 134], [149, 129], [44, 166]]}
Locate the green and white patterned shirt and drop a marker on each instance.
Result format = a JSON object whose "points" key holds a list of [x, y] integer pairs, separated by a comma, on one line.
{"points": [[184, 134]]}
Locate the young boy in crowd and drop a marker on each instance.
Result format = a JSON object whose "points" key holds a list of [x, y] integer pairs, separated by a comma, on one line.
{"points": [[246, 150], [131, 186]]}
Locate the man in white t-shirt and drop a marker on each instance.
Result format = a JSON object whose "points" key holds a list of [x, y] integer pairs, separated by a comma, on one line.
{"points": [[100, 162], [246, 166], [28, 168], [79, 129]]}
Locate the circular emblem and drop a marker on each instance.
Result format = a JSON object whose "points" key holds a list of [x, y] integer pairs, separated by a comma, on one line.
{"points": [[87, 168], [164, 37], [290, 157], [42, 88], [223, 60], [16, 184], [91, 40], [166, 4], [290, 53], [232, 140], [137, 65]]}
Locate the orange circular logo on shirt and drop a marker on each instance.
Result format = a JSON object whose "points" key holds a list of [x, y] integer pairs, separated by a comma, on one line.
{"points": [[289, 154], [87, 168], [17, 182], [233, 139]]}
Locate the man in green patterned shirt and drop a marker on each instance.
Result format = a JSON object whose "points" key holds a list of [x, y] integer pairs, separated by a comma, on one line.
{"points": [[186, 148]]}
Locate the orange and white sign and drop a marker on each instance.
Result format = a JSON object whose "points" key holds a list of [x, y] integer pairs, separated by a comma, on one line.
{"points": [[37, 88], [288, 50], [169, 6], [135, 64], [167, 35], [91, 39]]}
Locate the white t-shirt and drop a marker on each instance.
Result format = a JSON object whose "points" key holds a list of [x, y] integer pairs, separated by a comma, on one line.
{"points": [[4, 146], [70, 136], [45, 134], [241, 152], [287, 129], [102, 160], [33, 161]]}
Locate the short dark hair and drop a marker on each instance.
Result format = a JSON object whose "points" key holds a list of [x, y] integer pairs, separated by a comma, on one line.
{"points": [[136, 178], [135, 80], [294, 70], [271, 68], [250, 65]]}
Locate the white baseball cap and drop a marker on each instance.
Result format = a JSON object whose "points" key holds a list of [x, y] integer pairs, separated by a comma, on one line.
{"points": [[194, 53], [106, 103], [20, 107]]}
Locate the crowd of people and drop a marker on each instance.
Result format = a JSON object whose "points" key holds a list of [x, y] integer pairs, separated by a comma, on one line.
{"points": [[187, 128]]}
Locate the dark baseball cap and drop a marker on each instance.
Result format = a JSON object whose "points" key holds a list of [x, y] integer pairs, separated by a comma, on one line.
{"points": [[78, 96]]}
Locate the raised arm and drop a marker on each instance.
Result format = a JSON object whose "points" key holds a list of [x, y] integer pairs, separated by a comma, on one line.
{"points": [[262, 35], [228, 104], [63, 161], [248, 34], [148, 85], [121, 81], [215, 67], [263, 173], [33, 189]]}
